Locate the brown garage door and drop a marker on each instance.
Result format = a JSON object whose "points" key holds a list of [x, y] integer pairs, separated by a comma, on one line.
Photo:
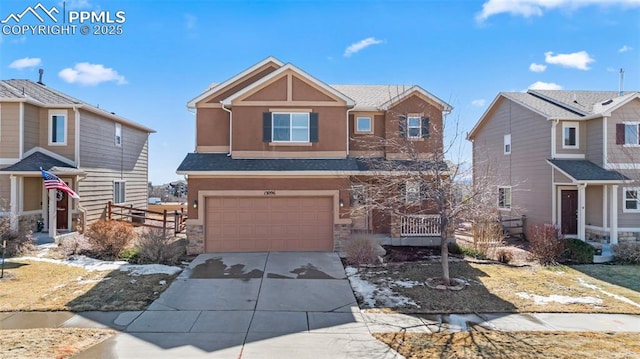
{"points": [[250, 224]]}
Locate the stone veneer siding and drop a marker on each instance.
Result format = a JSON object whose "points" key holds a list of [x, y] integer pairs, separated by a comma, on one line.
{"points": [[195, 238]]}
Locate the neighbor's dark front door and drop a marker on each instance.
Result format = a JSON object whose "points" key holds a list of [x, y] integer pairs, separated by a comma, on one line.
{"points": [[569, 205], [62, 210]]}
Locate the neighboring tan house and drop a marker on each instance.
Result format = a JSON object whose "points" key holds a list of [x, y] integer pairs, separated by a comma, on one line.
{"points": [[276, 152], [101, 156], [568, 158]]}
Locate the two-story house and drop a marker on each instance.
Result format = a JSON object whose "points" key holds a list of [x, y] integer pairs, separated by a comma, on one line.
{"points": [[276, 151], [569, 158], [101, 156]]}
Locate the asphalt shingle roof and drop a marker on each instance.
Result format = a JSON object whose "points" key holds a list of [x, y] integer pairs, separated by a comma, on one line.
{"points": [[35, 91], [545, 107], [214, 162], [581, 101], [371, 96], [34, 161], [583, 170]]}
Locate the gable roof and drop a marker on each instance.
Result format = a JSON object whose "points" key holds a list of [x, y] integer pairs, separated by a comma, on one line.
{"points": [[17, 90], [587, 171], [217, 86], [381, 97], [279, 72], [562, 104], [34, 162]]}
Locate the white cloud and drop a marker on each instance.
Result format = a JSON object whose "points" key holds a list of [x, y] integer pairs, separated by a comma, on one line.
{"points": [[360, 45], [577, 60], [25, 63], [84, 73], [478, 102], [529, 8], [537, 67], [625, 48], [539, 85]]}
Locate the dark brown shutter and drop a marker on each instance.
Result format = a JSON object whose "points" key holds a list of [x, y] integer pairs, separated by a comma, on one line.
{"points": [[266, 127], [619, 133], [402, 126], [402, 190], [313, 127], [425, 127]]}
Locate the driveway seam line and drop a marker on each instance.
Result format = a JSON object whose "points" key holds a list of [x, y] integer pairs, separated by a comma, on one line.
{"points": [[195, 321], [255, 306]]}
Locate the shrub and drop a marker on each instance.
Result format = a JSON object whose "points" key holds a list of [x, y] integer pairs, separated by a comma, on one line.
{"points": [[155, 247], [361, 249], [579, 252], [546, 243], [487, 234], [130, 254], [108, 238], [454, 248], [472, 252], [504, 256], [627, 252], [18, 243]]}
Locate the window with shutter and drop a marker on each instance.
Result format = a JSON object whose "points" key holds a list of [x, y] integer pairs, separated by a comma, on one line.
{"points": [[414, 127], [290, 127], [628, 133], [425, 128], [402, 126]]}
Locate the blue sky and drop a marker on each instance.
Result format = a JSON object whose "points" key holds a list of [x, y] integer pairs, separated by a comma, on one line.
{"points": [[464, 52]]}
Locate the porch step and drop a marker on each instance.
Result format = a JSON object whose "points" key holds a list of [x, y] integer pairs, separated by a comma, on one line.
{"points": [[606, 255]]}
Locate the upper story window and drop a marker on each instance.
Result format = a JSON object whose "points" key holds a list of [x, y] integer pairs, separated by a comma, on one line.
{"points": [[57, 128], [293, 127], [118, 135], [628, 133], [504, 197], [570, 135], [414, 126], [119, 191], [507, 144], [631, 199], [364, 124]]}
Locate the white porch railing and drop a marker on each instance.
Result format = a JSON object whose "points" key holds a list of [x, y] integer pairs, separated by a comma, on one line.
{"points": [[419, 225]]}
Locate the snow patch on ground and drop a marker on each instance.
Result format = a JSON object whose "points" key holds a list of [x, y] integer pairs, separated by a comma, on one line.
{"points": [[618, 297], [542, 300], [372, 294], [92, 264], [405, 283]]}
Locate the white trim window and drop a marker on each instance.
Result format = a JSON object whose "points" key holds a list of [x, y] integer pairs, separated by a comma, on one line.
{"points": [[631, 200], [504, 198], [57, 134], [412, 191], [570, 135], [364, 124], [507, 144], [631, 134], [119, 191], [118, 135], [414, 127], [290, 127]]}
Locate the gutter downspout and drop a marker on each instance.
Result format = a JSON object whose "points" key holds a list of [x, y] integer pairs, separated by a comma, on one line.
{"points": [[230, 129], [348, 138]]}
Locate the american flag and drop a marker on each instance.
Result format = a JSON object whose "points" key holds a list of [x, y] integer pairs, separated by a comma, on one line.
{"points": [[53, 182]]}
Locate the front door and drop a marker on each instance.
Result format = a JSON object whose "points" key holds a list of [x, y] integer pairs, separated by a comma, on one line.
{"points": [[359, 212], [569, 210], [62, 210]]}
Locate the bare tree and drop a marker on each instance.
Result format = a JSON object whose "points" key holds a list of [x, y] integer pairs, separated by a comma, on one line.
{"points": [[414, 179]]}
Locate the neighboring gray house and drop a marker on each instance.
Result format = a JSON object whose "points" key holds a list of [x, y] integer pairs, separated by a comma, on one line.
{"points": [[569, 158], [101, 156]]}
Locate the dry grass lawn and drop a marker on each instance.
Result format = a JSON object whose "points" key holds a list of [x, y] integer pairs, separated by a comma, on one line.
{"points": [[494, 344], [494, 288], [43, 286], [49, 343]]}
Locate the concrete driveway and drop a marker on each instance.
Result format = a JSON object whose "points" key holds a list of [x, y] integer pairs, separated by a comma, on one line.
{"points": [[251, 305]]}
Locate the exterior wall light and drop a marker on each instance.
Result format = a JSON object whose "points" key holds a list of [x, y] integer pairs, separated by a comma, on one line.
{"points": [[195, 203]]}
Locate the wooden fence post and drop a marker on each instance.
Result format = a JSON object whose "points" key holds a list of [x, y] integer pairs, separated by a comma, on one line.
{"points": [[164, 224], [109, 210]]}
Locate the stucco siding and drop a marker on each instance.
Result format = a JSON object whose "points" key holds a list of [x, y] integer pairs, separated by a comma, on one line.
{"points": [[105, 162], [525, 170], [593, 205], [414, 105], [9, 130], [31, 126], [594, 141], [212, 127]]}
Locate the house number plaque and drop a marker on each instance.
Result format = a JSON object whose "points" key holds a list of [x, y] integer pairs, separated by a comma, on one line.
{"points": [[269, 193]]}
